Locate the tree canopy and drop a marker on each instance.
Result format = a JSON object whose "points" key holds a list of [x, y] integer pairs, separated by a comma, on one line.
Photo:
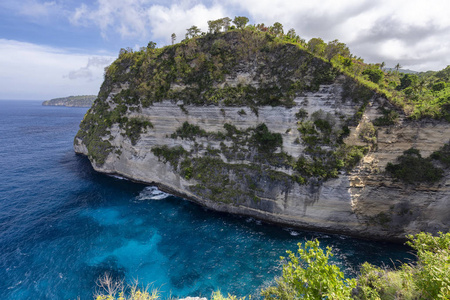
{"points": [[240, 22]]}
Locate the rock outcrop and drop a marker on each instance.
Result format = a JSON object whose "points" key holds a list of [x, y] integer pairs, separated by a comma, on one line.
{"points": [[270, 137]]}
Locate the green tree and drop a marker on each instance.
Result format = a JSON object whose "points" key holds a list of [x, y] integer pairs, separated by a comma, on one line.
{"points": [[407, 80], [226, 23], [261, 27], [277, 29], [375, 75], [432, 273], [193, 31], [335, 48], [317, 46], [347, 62], [310, 276], [214, 26], [428, 279], [173, 37], [444, 74], [291, 34], [240, 22], [151, 45], [398, 67], [438, 86], [420, 85]]}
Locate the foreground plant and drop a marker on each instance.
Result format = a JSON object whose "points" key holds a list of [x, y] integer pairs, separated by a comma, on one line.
{"points": [[218, 296], [310, 276], [116, 290], [428, 278]]}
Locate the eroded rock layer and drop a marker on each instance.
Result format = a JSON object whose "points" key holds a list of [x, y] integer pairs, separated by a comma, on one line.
{"points": [[264, 134]]}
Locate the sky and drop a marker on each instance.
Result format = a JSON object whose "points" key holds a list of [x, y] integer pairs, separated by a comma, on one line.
{"points": [[58, 48]]}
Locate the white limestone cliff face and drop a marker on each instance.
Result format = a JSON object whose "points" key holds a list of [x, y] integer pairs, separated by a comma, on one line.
{"points": [[366, 202]]}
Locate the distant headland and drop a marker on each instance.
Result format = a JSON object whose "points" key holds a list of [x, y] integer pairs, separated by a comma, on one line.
{"points": [[72, 101]]}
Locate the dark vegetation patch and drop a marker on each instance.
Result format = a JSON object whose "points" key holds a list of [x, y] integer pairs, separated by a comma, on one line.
{"points": [[325, 154], [390, 117], [412, 168], [443, 155], [134, 127]]}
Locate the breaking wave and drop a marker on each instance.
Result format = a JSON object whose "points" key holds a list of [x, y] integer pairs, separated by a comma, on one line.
{"points": [[152, 193]]}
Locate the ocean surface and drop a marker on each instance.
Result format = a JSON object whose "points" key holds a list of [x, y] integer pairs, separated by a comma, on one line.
{"points": [[62, 225]]}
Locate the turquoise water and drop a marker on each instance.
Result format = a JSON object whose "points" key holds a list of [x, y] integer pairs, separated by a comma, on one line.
{"points": [[62, 225]]}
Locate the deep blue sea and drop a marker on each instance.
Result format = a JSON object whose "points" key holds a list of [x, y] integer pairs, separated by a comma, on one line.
{"points": [[62, 225]]}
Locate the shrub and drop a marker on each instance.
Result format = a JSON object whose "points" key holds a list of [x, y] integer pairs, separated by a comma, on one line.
{"points": [[431, 275], [266, 140], [111, 289], [242, 112], [407, 80], [375, 75], [443, 155], [368, 132], [428, 279], [310, 276], [411, 168], [134, 127], [171, 155], [218, 296], [390, 117], [438, 86], [302, 114], [188, 131]]}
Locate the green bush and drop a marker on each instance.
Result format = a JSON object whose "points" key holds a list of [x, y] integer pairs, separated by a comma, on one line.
{"points": [[188, 131], [412, 168], [308, 275], [431, 275], [368, 132], [134, 127], [266, 140], [171, 155], [428, 279], [390, 117], [443, 155], [438, 86], [407, 80], [375, 75], [301, 114]]}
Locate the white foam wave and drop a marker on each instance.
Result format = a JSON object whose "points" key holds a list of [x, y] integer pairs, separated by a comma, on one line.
{"points": [[118, 177], [152, 193], [292, 231]]}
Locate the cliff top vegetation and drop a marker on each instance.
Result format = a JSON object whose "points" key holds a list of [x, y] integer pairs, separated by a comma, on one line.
{"points": [[190, 69]]}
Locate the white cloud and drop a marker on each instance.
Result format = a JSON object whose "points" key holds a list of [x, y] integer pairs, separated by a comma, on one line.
{"points": [[145, 20], [30, 71], [126, 17], [36, 9], [176, 19], [91, 69]]}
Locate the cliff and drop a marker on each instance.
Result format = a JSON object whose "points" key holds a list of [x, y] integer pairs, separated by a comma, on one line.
{"points": [[71, 101], [242, 123]]}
